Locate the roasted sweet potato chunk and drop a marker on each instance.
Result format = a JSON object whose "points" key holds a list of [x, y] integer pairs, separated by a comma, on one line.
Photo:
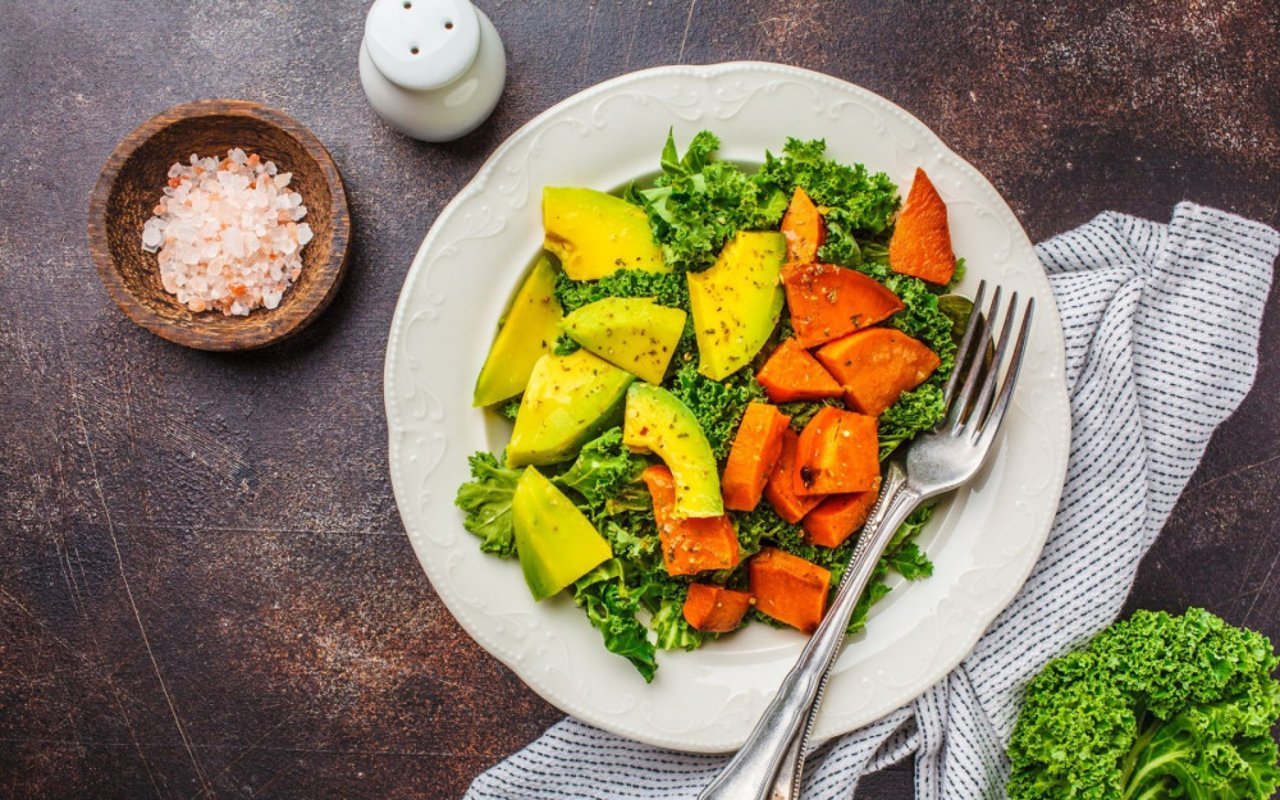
{"points": [[921, 243], [792, 373], [715, 609], [756, 448], [837, 453], [876, 366], [781, 488], [789, 588], [837, 517], [693, 544], [804, 228], [827, 301]]}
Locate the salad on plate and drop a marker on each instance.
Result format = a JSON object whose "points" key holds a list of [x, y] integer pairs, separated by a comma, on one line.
{"points": [[705, 374]]}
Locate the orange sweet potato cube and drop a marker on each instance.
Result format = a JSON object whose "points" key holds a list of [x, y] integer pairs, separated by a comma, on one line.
{"points": [[921, 242], [838, 453], [837, 517], [693, 544], [714, 609], [876, 366], [789, 588]]}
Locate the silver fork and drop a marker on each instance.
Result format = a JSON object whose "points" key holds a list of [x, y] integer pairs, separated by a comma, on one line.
{"points": [[935, 462]]}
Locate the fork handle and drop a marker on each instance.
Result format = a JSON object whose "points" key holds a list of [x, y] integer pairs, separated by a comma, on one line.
{"points": [[752, 771]]}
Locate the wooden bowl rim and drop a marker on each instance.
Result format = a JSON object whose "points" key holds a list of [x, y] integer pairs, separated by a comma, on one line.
{"points": [[319, 293]]}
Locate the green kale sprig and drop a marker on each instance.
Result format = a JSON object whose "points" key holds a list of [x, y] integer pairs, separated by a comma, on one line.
{"points": [[666, 288], [604, 466], [510, 407], [612, 606], [614, 593], [698, 203], [855, 202], [486, 499], [1155, 706]]}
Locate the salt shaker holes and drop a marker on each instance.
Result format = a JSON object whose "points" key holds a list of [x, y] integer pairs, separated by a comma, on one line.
{"points": [[433, 69]]}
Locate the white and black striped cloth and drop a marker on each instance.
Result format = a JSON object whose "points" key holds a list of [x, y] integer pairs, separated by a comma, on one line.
{"points": [[1161, 325]]}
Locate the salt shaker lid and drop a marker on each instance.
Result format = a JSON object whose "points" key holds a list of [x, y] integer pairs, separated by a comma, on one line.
{"points": [[422, 44]]}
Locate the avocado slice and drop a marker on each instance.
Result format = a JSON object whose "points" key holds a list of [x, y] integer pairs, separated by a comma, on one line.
{"points": [[634, 333], [555, 542], [569, 401], [595, 234], [737, 301], [656, 421], [528, 331]]}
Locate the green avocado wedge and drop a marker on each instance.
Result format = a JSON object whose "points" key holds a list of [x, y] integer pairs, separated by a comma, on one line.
{"points": [[737, 301], [569, 401], [528, 332], [656, 421], [634, 333], [595, 234], [554, 540]]}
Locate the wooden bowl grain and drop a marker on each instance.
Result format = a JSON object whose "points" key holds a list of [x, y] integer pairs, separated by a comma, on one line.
{"points": [[133, 180]]}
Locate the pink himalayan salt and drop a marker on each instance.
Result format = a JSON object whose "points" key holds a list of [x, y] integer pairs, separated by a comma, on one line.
{"points": [[229, 233]]}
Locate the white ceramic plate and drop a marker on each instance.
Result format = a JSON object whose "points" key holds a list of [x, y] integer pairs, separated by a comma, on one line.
{"points": [[983, 542]]}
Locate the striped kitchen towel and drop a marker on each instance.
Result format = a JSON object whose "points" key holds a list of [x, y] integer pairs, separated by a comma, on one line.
{"points": [[1161, 325]]}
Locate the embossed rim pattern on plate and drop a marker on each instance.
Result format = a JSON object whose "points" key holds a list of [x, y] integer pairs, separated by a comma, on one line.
{"points": [[984, 542]]}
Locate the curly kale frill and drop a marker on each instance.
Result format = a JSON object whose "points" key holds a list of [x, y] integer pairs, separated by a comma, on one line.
{"points": [[1156, 706], [486, 500], [666, 288], [603, 468]]}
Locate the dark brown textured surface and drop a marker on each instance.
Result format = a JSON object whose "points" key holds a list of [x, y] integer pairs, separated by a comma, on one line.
{"points": [[204, 586], [129, 188]]}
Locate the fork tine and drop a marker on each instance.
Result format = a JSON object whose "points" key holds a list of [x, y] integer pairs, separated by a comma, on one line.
{"points": [[961, 401], [991, 425], [992, 377], [968, 337]]}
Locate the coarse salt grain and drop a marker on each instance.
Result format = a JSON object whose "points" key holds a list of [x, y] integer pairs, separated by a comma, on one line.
{"points": [[229, 233]]}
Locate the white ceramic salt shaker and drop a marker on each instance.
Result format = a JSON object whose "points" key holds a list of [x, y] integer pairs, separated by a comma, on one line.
{"points": [[433, 69]]}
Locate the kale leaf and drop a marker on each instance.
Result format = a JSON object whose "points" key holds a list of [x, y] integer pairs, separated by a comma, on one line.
{"points": [[612, 607], [634, 536], [565, 345], [615, 592], [486, 499], [916, 410], [604, 465], [698, 203], [672, 629], [667, 289], [1155, 706], [801, 411], [511, 406], [762, 526], [855, 202]]}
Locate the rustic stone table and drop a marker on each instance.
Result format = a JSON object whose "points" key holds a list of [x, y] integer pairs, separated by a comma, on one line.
{"points": [[205, 589]]}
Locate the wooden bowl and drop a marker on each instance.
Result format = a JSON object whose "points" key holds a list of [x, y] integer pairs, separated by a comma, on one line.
{"points": [[133, 180]]}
